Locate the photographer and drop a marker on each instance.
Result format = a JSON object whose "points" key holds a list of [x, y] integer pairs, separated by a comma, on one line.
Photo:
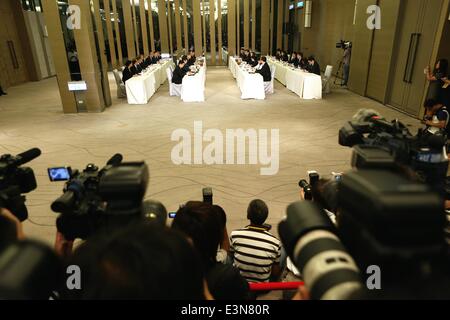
{"points": [[201, 223], [436, 116], [143, 262], [255, 250]]}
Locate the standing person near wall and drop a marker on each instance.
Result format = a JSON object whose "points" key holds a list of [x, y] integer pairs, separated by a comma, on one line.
{"points": [[437, 79], [346, 62]]}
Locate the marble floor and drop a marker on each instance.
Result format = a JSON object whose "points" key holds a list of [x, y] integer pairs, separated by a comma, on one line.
{"points": [[31, 116]]}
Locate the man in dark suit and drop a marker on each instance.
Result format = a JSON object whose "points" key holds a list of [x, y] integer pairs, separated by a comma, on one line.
{"points": [[149, 59], [137, 66], [313, 66], [193, 58], [155, 57], [127, 72], [264, 69], [179, 73], [142, 63]]}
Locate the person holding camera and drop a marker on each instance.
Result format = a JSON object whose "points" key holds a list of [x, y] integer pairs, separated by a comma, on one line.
{"points": [[436, 117], [255, 250], [203, 224]]}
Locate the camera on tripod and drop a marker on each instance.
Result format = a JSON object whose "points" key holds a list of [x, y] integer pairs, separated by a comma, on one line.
{"points": [[344, 44], [95, 199], [16, 180]]}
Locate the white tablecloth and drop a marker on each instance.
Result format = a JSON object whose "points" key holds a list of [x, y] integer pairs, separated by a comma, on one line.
{"points": [[305, 85], [141, 88], [193, 87], [251, 85]]}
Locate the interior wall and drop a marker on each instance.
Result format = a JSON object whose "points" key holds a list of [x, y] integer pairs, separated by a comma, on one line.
{"points": [[10, 30], [331, 21], [444, 48]]}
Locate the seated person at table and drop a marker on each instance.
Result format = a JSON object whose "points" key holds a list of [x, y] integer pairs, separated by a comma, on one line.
{"points": [[313, 66], [284, 57], [253, 60], [246, 56], [128, 71], [189, 61], [179, 73], [264, 69], [193, 57], [158, 55], [149, 59], [186, 66], [136, 67], [278, 55], [301, 60], [242, 54], [294, 60], [155, 57]]}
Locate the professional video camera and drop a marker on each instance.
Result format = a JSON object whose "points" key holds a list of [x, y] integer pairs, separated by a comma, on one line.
{"points": [[16, 180], [96, 199], [385, 220], [343, 44], [381, 144]]}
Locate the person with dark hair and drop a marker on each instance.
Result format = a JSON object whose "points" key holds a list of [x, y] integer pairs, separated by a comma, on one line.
{"points": [[284, 56], [141, 262], [179, 72], [128, 72], [436, 116], [253, 60], [263, 69], [437, 79], [149, 59], [203, 225], [294, 60], [256, 252], [193, 58], [2, 93], [313, 66]]}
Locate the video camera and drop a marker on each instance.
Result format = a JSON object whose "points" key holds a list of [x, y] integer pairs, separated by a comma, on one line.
{"points": [[380, 144], [96, 198], [343, 44], [16, 180], [385, 220]]}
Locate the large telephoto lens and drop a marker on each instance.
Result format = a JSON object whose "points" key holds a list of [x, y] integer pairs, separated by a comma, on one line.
{"points": [[330, 273]]}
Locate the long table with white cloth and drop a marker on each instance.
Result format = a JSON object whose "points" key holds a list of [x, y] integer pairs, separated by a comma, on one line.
{"points": [[250, 84], [305, 85], [141, 88], [193, 87]]}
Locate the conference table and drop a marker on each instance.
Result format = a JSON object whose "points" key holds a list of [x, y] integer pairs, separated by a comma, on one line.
{"points": [[306, 85], [142, 87], [251, 84], [193, 86]]}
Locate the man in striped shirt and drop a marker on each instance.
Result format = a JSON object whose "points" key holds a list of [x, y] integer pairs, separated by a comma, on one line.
{"points": [[255, 250]]}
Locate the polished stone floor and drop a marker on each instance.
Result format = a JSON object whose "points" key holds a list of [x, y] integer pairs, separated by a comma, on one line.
{"points": [[31, 116]]}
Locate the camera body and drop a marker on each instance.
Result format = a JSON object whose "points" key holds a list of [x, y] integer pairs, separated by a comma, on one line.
{"points": [[344, 44], [16, 180], [95, 199], [379, 144]]}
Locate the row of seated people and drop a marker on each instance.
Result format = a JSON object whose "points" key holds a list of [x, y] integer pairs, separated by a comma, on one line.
{"points": [[260, 64], [136, 66], [298, 60], [183, 67]]}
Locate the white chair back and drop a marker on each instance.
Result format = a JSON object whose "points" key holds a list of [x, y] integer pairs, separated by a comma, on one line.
{"points": [[272, 70], [117, 76], [328, 72], [169, 75], [121, 90]]}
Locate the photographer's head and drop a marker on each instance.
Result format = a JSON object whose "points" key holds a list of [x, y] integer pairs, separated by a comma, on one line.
{"points": [[432, 105], [142, 261], [200, 222], [257, 212]]}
